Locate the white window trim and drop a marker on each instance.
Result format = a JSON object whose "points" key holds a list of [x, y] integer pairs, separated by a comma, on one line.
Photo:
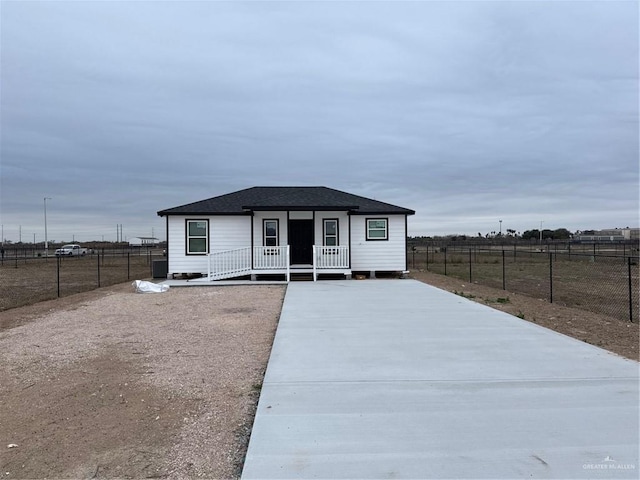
{"points": [[325, 234], [385, 229], [264, 232], [188, 237]]}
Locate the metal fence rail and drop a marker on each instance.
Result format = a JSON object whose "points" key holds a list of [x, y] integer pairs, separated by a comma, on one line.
{"points": [[604, 284], [26, 280]]}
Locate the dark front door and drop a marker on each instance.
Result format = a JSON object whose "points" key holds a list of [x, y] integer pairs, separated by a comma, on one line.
{"points": [[301, 241]]}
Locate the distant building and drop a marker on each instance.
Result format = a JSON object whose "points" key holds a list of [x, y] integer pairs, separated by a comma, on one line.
{"points": [[143, 241], [609, 235]]}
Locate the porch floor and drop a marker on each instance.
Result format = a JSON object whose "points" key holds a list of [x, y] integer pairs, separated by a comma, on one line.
{"points": [[203, 282]]}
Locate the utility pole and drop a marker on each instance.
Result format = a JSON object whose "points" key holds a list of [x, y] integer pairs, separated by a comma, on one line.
{"points": [[541, 232], [46, 239], [19, 233], [500, 227]]}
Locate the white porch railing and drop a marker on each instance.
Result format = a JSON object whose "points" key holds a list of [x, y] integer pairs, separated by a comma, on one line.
{"points": [[326, 258], [229, 263], [271, 258], [238, 262]]}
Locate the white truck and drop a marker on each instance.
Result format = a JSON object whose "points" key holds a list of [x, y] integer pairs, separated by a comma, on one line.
{"points": [[71, 250]]}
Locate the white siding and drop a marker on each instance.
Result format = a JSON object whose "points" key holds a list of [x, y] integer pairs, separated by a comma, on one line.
{"points": [[225, 232], [380, 255], [257, 227], [229, 232], [343, 227], [300, 215]]}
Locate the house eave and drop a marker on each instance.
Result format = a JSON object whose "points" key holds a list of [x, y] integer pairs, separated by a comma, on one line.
{"points": [[203, 213], [248, 210], [380, 212]]}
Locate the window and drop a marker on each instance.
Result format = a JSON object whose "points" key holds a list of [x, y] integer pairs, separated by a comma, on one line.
{"points": [[330, 232], [270, 233], [197, 237], [377, 229]]}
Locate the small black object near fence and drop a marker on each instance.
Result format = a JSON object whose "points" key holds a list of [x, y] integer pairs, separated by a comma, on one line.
{"points": [[596, 282]]}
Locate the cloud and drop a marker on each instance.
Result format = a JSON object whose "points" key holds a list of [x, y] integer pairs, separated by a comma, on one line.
{"points": [[463, 111]]}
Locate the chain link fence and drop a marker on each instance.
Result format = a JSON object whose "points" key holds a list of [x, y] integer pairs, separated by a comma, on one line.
{"points": [[607, 284], [26, 278]]}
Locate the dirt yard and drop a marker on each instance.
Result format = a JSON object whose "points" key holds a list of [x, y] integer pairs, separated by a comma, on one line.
{"points": [[114, 384], [111, 383]]}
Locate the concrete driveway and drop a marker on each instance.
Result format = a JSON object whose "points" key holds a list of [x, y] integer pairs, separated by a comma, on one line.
{"points": [[397, 379]]}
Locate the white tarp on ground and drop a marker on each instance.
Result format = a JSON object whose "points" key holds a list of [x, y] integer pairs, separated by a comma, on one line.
{"points": [[142, 286]]}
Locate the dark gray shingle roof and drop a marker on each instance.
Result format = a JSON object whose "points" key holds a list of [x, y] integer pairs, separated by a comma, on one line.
{"points": [[285, 198]]}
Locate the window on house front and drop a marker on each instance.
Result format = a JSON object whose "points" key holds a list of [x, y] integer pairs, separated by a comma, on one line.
{"points": [[377, 229], [197, 237], [270, 233], [330, 230]]}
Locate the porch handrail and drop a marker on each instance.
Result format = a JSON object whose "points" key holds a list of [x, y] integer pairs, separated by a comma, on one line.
{"points": [[272, 258], [242, 261], [325, 258], [229, 263]]}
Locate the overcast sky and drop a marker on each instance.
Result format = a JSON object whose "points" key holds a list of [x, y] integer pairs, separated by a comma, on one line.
{"points": [[467, 112]]}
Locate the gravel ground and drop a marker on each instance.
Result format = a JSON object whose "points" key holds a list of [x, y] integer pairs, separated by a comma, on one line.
{"points": [[117, 384]]}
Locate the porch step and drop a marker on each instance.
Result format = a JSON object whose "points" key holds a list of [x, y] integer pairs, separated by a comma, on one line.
{"points": [[301, 276]]}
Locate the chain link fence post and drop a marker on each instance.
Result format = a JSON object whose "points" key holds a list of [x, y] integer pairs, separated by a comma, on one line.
{"points": [[550, 277], [427, 257], [58, 259], [504, 278], [445, 259], [630, 290]]}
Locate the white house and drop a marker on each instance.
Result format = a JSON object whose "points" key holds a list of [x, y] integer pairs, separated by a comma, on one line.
{"points": [[286, 231]]}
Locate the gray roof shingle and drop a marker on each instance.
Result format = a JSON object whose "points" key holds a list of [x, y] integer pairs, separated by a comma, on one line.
{"points": [[285, 198]]}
